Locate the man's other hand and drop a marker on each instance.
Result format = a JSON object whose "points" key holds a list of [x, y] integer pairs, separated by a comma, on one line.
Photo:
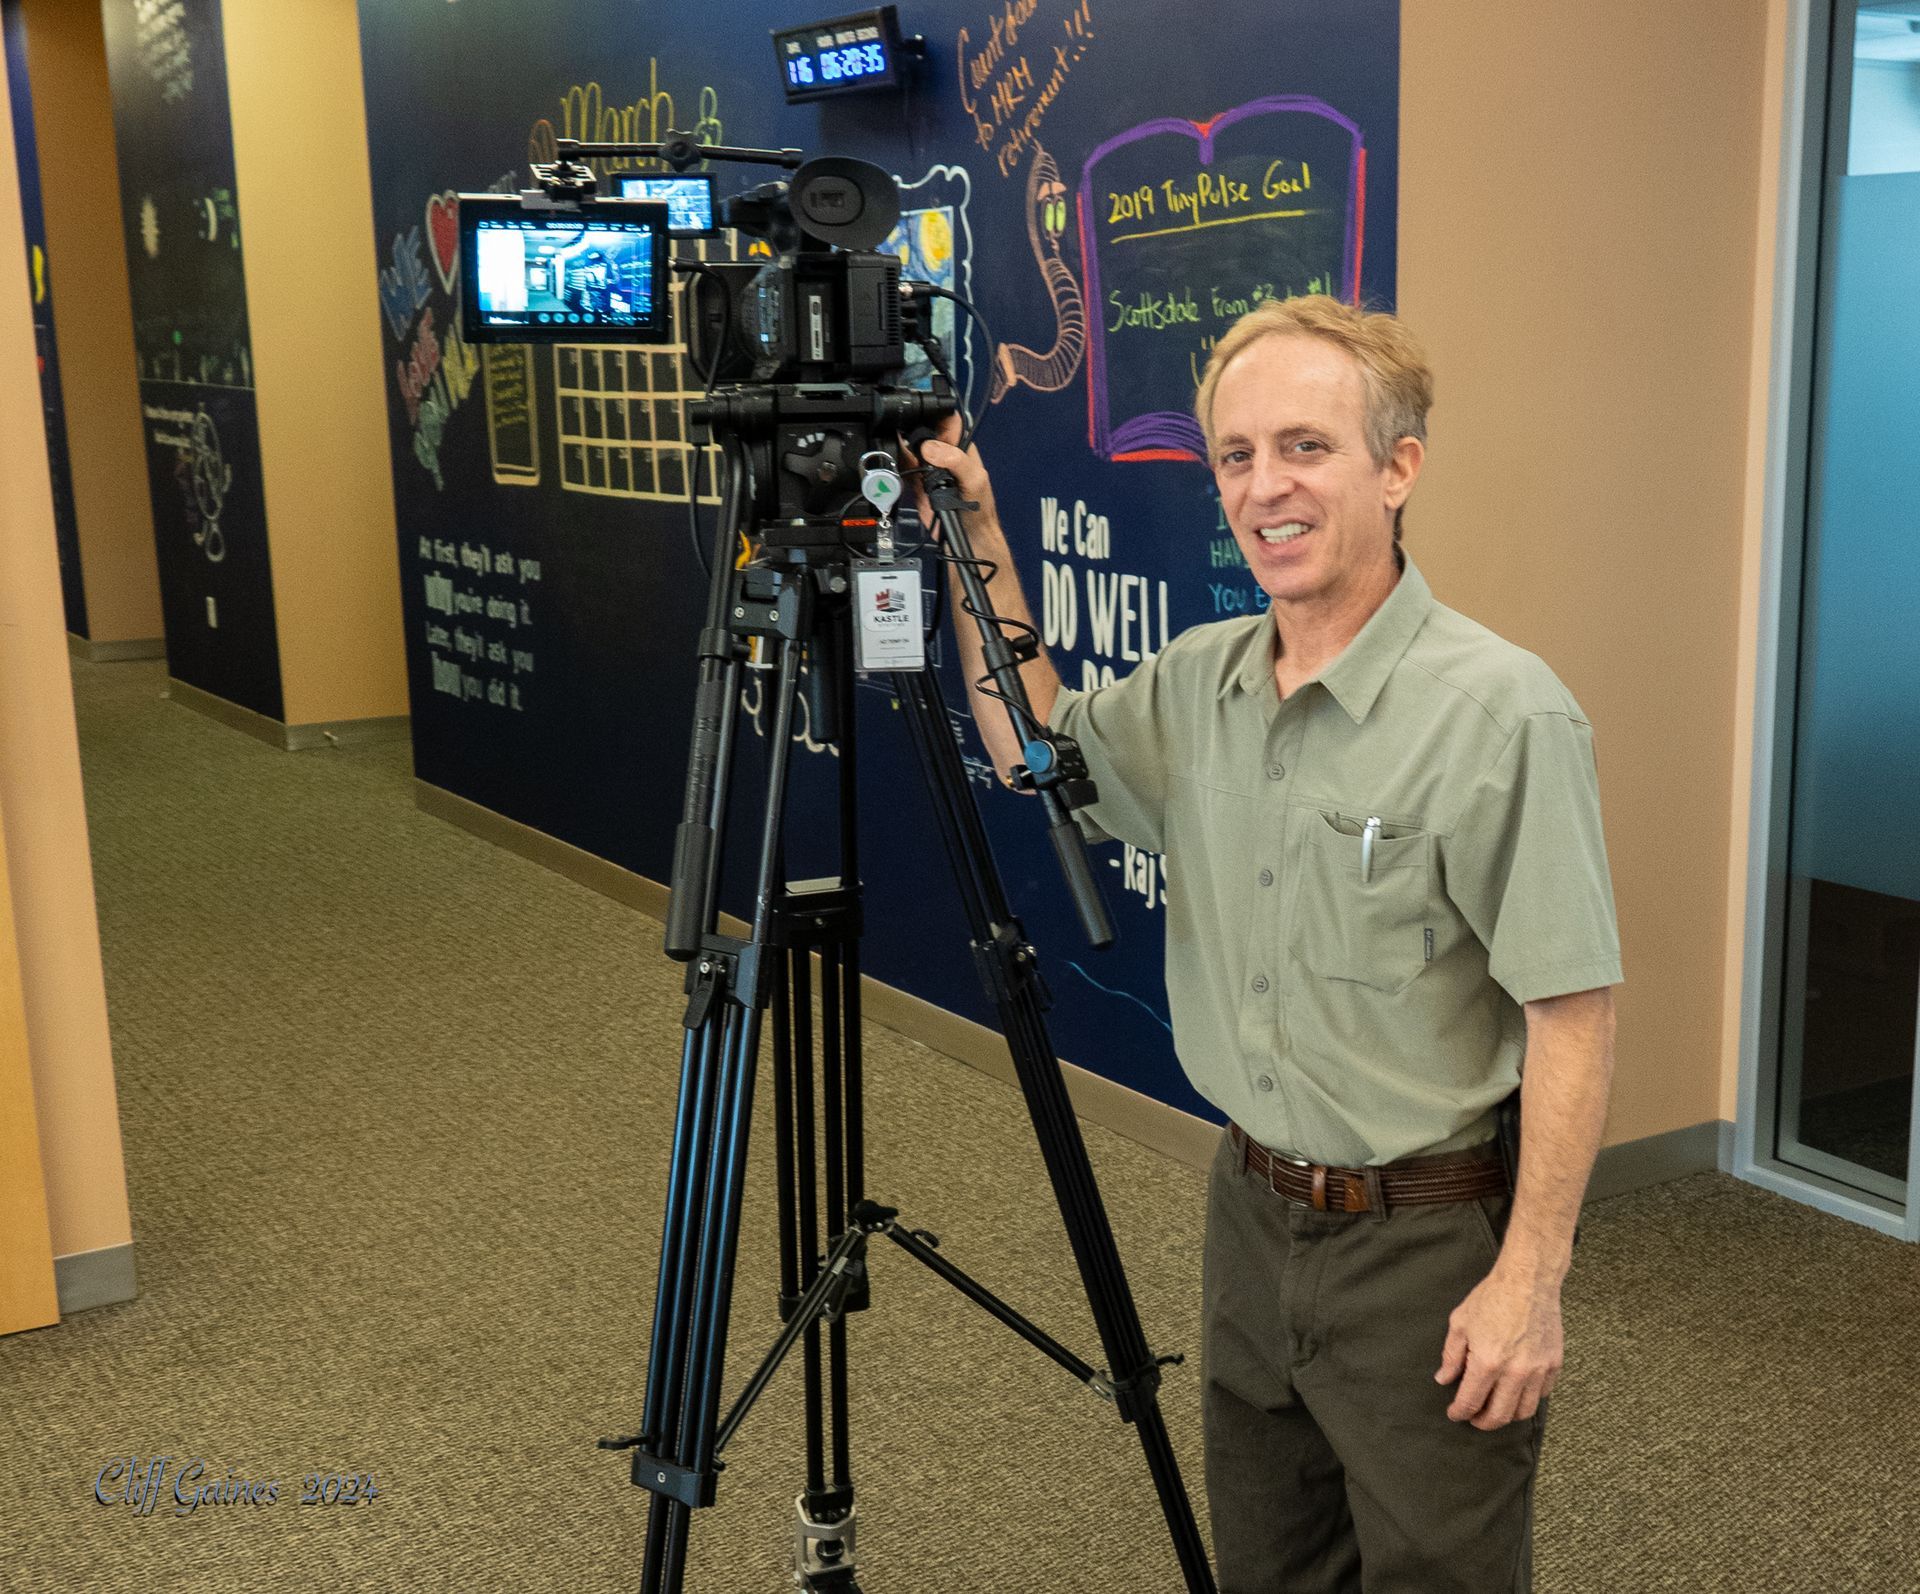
{"points": [[1506, 1338], [969, 474]]}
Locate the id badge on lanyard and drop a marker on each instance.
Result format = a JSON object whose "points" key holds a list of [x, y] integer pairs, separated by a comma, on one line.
{"points": [[887, 607], [887, 615]]}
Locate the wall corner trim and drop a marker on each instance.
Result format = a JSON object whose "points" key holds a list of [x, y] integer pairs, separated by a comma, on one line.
{"points": [[86, 1279], [126, 652], [289, 738], [1656, 1159]]}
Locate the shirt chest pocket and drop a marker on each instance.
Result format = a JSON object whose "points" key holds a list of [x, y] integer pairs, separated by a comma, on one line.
{"points": [[1362, 909]]}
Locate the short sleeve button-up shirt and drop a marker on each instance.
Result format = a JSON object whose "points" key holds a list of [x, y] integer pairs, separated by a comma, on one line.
{"points": [[1346, 999]]}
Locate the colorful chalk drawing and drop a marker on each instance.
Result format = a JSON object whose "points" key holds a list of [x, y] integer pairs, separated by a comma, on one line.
{"points": [[165, 51], [513, 431], [404, 285], [212, 477], [200, 469], [1014, 364], [1014, 71], [443, 237], [210, 210], [437, 369], [585, 115], [1114, 990], [759, 710], [620, 413], [435, 378], [1183, 227], [934, 243]]}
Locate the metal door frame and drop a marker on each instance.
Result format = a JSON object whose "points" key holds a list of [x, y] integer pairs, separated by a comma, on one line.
{"points": [[1769, 1060]]}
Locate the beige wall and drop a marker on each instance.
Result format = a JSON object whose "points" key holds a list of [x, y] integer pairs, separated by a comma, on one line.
{"points": [[300, 159], [28, 1298], [1581, 197], [40, 802], [80, 194]]}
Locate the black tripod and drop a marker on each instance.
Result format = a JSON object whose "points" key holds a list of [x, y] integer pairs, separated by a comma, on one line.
{"points": [[793, 601]]}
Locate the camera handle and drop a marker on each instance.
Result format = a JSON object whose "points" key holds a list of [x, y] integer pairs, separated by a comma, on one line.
{"points": [[678, 150], [1055, 769]]}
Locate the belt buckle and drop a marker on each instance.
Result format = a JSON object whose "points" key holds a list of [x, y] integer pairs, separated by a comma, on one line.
{"points": [[1370, 1182], [1274, 1159]]}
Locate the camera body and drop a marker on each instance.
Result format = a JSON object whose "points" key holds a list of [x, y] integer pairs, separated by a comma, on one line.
{"points": [[563, 263], [838, 316], [801, 354]]}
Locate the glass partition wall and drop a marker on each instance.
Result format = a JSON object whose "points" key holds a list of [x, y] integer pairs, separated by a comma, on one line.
{"points": [[1846, 974]]}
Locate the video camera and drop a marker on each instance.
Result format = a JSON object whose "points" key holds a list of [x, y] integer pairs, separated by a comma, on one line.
{"points": [[562, 262], [812, 341]]}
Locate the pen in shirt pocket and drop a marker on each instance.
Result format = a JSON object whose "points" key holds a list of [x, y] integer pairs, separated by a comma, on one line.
{"points": [[1369, 835]]}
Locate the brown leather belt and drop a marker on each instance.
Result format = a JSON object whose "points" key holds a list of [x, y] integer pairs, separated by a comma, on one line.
{"points": [[1451, 1176]]}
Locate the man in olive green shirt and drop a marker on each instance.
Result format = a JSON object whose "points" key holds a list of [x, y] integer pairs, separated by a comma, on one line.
{"points": [[1387, 887]]}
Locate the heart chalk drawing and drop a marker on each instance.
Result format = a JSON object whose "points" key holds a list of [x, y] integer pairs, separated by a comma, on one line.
{"points": [[1185, 226], [443, 236]]}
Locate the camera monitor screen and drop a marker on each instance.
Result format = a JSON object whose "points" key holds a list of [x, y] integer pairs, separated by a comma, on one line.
{"points": [[689, 201], [564, 275]]}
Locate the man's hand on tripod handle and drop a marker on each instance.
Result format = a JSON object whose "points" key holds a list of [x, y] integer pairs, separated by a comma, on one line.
{"points": [[1038, 675], [989, 609]]}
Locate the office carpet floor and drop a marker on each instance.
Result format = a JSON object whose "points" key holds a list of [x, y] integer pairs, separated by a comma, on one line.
{"points": [[395, 1108]]}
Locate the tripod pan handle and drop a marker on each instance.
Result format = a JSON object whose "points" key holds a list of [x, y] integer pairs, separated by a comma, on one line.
{"points": [[1070, 847]]}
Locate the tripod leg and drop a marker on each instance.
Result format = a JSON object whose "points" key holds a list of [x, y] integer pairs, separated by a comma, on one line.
{"points": [[1018, 998], [825, 920], [701, 1237], [809, 1214]]}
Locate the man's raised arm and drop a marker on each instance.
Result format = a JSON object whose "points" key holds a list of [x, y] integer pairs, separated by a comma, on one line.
{"points": [[1004, 596]]}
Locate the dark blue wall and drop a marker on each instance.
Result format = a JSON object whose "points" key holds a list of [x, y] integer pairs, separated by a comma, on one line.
{"points": [[180, 216], [1027, 145]]}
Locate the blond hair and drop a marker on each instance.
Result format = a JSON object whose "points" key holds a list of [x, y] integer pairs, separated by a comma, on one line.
{"points": [[1399, 386]]}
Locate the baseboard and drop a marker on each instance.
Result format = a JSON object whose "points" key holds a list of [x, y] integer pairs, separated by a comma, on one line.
{"points": [[260, 727], [153, 647], [289, 738], [1177, 1134], [1656, 1159], [87, 1279], [348, 733], [1099, 1101], [576, 864]]}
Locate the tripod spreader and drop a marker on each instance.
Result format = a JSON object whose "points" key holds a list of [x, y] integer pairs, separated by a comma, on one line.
{"points": [[1123, 1391]]}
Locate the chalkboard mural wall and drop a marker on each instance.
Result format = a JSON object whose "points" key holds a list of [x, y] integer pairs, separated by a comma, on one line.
{"points": [[181, 220], [66, 526], [1112, 191]]}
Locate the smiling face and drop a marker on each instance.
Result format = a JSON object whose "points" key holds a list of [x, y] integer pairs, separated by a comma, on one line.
{"points": [[1310, 507]]}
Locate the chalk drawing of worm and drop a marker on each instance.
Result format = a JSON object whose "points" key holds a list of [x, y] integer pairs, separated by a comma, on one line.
{"points": [[1014, 363]]}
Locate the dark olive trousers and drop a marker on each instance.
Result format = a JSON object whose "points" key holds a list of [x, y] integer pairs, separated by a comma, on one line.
{"points": [[1331, 1465]]}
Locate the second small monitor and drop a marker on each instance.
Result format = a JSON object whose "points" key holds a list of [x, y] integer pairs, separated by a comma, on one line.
{"points": [[689, 200]]}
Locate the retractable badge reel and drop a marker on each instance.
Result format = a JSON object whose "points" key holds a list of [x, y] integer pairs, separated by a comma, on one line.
{"points": [[887, 605]]}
